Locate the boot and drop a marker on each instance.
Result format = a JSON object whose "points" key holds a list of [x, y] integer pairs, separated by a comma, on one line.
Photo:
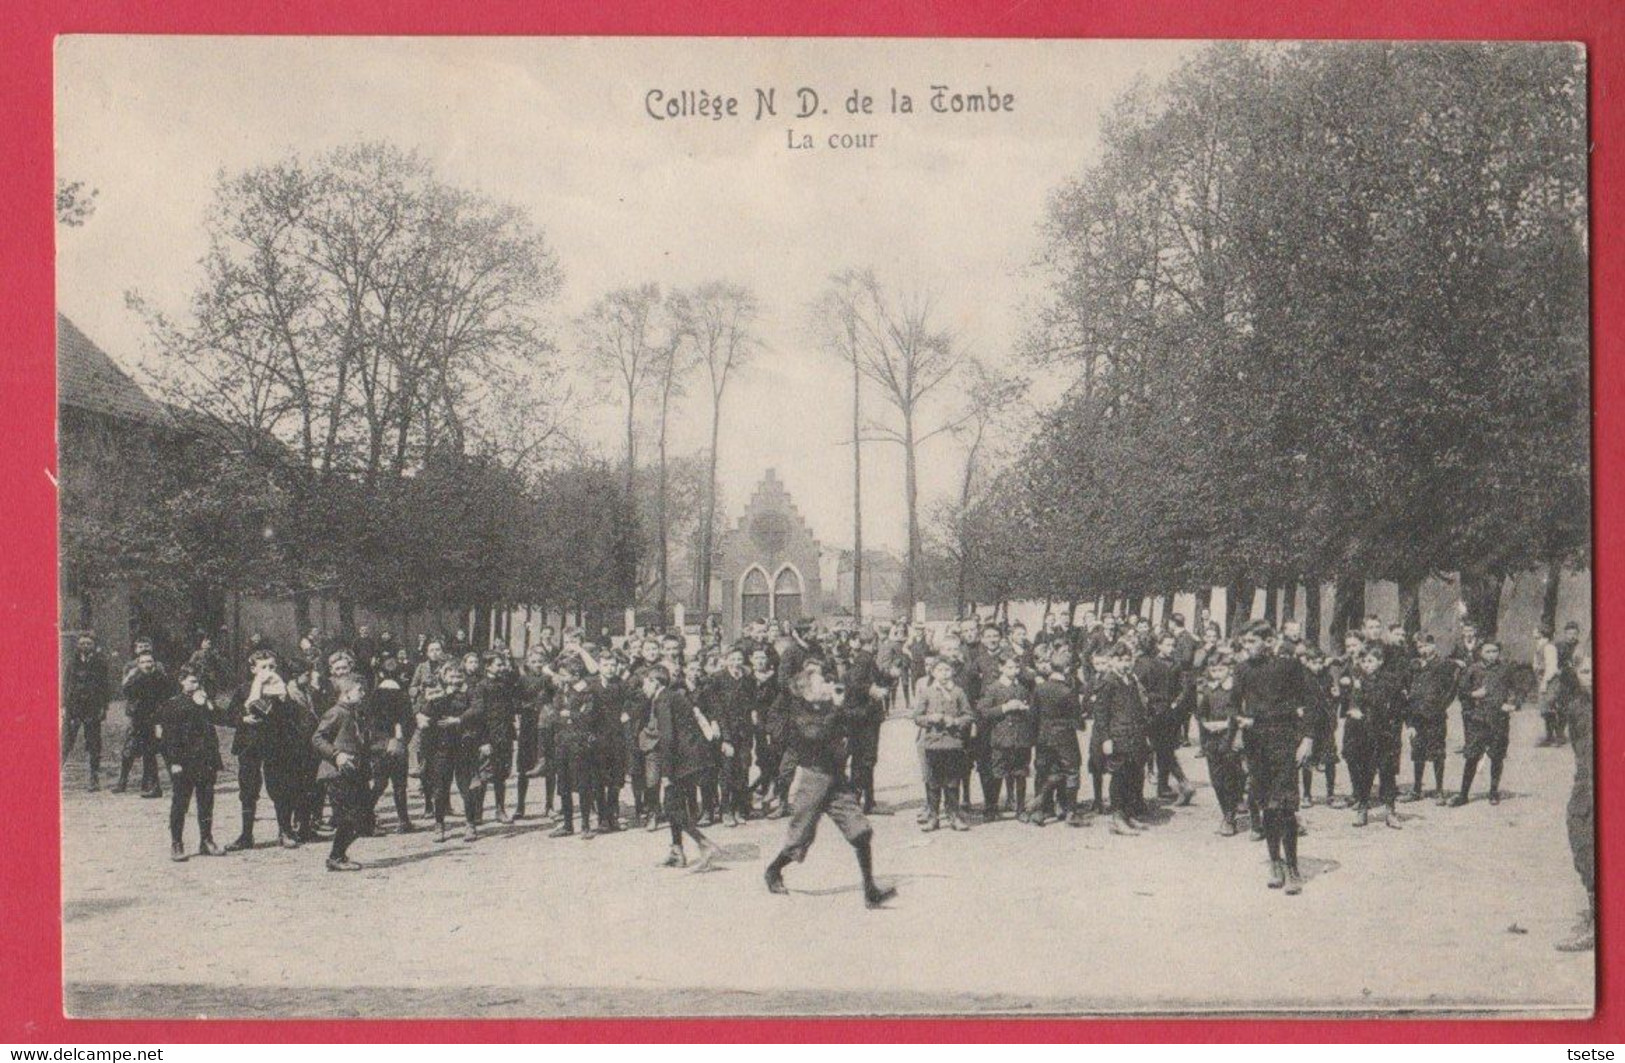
{"points": [[177, 851], [1186, 792], [342, 864], [774, 875], [287, 840], [123, 783], [207, 847], [1294, 882], [1121, 826], [877, 896], [95, 781], [245, 840], [709, 855], [931, 823], [1361, 816], [1277, 874], [1227, 829], [1391, 819], [675, 858]]}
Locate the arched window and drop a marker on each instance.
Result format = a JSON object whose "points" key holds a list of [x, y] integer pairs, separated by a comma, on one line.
{"points": [[787, 594], [755, 601]]}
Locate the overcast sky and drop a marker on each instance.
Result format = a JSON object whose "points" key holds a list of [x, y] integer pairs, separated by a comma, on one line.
{"points": [[945, 203]]}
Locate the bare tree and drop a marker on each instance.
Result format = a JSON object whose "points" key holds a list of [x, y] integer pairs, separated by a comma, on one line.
{"points": [[897, 346], [617, 343], [720, 320], [991, 397], [673, 359]]}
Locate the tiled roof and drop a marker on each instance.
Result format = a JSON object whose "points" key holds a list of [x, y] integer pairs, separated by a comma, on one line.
{"points": [[88, 379]]}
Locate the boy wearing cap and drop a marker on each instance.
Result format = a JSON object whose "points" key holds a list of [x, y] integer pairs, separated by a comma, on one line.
{"points": [[1270, 693], [1058, 757]]}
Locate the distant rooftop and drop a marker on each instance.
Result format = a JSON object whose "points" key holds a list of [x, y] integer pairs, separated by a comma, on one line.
{"points": [[88, 379]]}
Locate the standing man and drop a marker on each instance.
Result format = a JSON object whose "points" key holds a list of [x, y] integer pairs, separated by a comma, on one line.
{"points": [[818, 733], [84, 704], [1271, 692], [684, 757], [266, 745], [1120, 722]]}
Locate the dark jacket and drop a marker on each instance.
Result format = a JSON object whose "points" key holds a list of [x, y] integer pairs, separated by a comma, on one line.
{"points": [[1007, 728], [1272, 690], [1056, 710], [1433, 686], [189, 738], [1161, 682], [342, 729], [146, 692], [818, 733], [85, 691], [684, 751], [1120, 712], [1495, 680]]}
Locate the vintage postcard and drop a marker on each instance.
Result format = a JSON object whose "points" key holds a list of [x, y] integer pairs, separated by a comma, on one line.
{"points": [[676, 527]]}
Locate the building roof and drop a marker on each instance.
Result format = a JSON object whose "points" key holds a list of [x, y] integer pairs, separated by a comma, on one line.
{"points": [[88, 379]]}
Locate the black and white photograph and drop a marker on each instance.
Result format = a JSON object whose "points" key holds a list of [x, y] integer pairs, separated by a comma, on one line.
{"points": [[617, 527]]}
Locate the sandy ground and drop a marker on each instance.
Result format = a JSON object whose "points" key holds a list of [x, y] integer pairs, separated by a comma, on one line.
{"points": [[1458, 911]]}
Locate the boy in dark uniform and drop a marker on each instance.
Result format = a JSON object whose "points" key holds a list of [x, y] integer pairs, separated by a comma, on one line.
{"points": [[389, 721], [1432, 688], [683, 755], [734, 710], [1120, 716], [84, 697], [761, 688], [619, 705], [265, 745], [497, 700], [1374, 716], [340, 740], [576, 712], [535, 743], [146, 688], [1163, 686], [192, 751], [1488, 702], [1270, 693], [865, 704], [440, 722], [1321, 713], [1005, 713], [818, 732], [1058, 757], [1221, 740]]}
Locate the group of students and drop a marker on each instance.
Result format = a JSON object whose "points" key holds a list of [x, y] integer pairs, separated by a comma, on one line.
{"points": [[326, 731]]}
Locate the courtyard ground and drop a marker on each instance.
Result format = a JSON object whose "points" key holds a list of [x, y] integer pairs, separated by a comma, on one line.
{"points": [[1457, 912]]}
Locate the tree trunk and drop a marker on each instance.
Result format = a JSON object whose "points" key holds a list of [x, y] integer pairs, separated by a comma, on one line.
{"points": [[707, 537], [1410, 603], [1554, 582], [1167, 606], [1289, 600], [1272, 615], [1311, 611], [663, 556], [347, 616], [1240, 596], [1481, 594], [1204, 604], [1348, 606], [301, 614], [857, 491], [911, 498]]}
